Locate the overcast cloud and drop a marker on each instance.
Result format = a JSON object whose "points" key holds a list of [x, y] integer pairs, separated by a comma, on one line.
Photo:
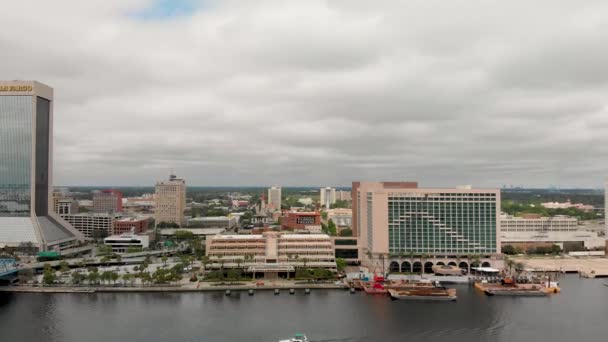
{"points": [[319, 92]]}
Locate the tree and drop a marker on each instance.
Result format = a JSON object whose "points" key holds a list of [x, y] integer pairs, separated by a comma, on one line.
{"points": [[232, 275], [93, 277], [164, 259], [340, 264], [341, 204], [106, 276], [64, 267], [346, 232], [519, 267], [48, 277], [104, 250], [78, 278], [184, 235], [167, 225], [508, 249], [118, 258], [114, 277], [25, 275], [331, 228], [510, 264], [134, 249]]}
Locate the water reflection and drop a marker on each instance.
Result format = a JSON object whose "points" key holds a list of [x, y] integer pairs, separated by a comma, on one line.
{"points": [[578, 313]]}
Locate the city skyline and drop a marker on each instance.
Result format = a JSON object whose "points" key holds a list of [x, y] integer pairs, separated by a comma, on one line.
{"points": [[317, 93]]}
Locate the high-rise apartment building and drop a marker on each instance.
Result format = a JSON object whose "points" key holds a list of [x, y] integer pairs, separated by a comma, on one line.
{"points": [[342, 195], [26, 131], [327, 197], [170, 201], [355, 198], [274, 198], [401, 219], [107, 201]]}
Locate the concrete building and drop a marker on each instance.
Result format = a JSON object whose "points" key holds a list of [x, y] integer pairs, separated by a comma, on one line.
{"points": [[355, 206], [606, 210], [170, 201], [533, 230], [140, 205], [130, 225], [26, 164], [92, 225], [274, 198], [343, 218], [64, 204], [342, 195], [121, 243], [198, 232], [271, 253], [298, 220], [212, 222], [398, 218], [107, 201], [327, 197], [568, 205]]}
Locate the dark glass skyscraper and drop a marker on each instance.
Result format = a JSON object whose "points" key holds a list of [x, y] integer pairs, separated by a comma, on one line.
{"points": [[26, 117]]}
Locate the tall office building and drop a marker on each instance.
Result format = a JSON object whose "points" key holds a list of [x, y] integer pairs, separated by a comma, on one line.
{"points": [[328, 197], [274, 198], [170, 201], [107, 201], [26, 130], [400, 218]]}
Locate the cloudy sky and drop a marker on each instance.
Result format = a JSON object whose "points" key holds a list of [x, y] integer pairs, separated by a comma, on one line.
{"points": [[319, 92]]}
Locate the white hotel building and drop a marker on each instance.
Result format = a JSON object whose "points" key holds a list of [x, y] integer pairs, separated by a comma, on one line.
{"points": [[534, 229]]}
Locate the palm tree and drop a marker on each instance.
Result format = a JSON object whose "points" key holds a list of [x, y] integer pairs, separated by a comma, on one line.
{"points": [[519, 267], [510, 263], [205, 261]]}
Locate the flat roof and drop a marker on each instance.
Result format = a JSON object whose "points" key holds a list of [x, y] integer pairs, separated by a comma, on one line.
{"points": [[195, 231]]}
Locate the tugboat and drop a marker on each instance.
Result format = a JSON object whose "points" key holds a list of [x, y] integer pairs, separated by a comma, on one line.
{"points": [[297, 338]]}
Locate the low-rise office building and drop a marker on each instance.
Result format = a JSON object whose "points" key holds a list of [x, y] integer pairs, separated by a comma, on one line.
{"points": [[123, 242], [271, 253], [532, 230], [295, 220], [342, 218], [212, 222], [92, 225], [130, 224]]}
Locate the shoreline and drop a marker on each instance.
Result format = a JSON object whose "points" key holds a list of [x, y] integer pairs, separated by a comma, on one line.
{"points": [[156, 289]]}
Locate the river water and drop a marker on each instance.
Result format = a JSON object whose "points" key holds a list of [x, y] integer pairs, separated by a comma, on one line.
{"points": [[579, 313]]}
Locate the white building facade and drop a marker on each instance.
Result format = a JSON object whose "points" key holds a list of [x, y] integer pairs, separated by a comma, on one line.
{"points": [[327, 197]]}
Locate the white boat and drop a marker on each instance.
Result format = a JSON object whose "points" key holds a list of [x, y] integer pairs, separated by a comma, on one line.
{"points": [[297, 338]]}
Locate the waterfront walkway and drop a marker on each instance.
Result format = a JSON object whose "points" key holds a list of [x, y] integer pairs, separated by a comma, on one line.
{"points": [[182, 287], [589, 267]]}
